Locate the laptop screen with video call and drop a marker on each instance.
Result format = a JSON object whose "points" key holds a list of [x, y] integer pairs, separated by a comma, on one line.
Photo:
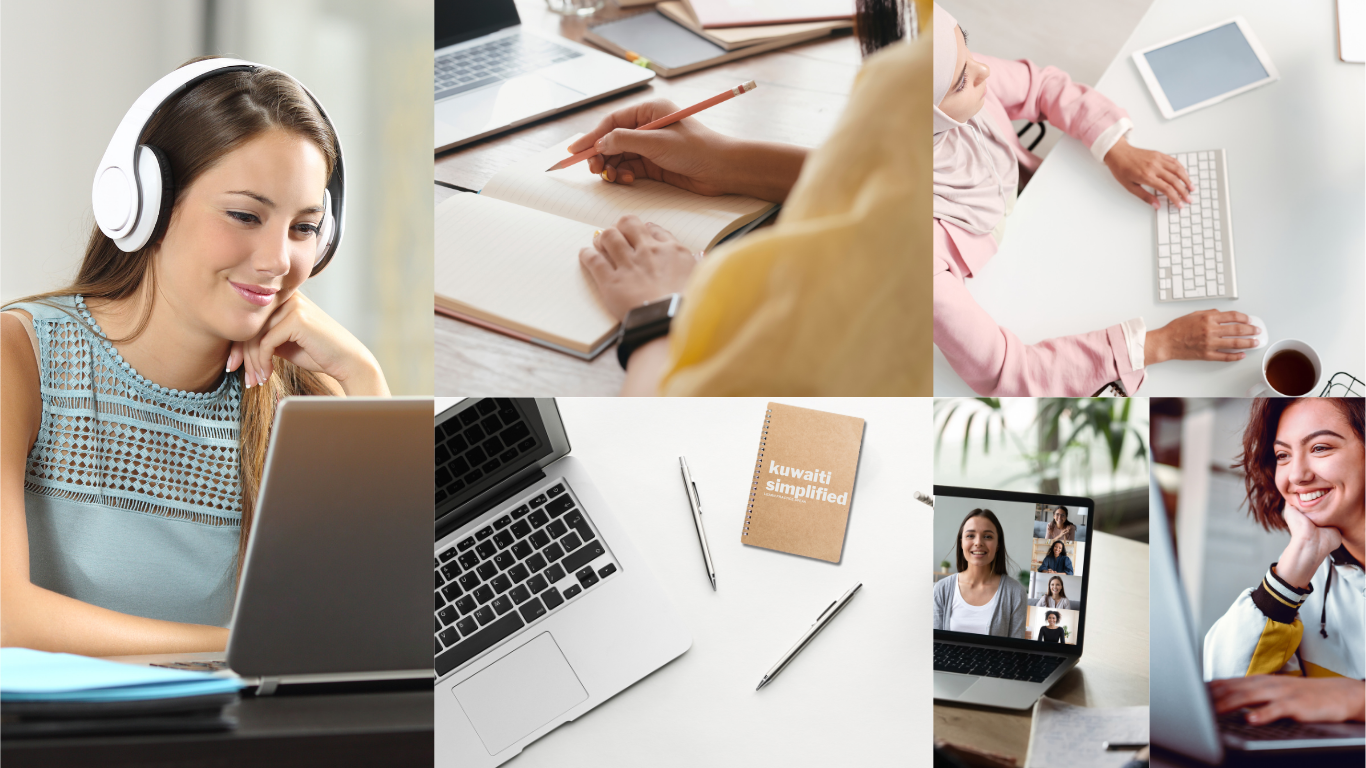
{"points": [[1045, 541]]}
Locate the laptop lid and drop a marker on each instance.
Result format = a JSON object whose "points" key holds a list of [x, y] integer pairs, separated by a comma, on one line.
{"points": [[489, 449], [1023, 519], [1182, 718], [459, 20], [335, 577]]}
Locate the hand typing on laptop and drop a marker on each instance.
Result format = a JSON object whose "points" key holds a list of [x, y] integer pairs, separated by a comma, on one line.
{"points": [[1304, 699]]}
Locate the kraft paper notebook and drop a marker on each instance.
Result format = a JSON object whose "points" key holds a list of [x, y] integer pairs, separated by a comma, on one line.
{"points": [[508, 258], [803, 482]]}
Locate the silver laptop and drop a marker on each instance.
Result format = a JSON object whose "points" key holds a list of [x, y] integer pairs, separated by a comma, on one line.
{"points": [[331, 587], [544, 607], [1183, 718], [493, 74], [973, 667]]}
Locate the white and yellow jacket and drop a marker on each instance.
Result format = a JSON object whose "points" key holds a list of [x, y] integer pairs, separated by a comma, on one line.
{"points": [[1316, 632]]}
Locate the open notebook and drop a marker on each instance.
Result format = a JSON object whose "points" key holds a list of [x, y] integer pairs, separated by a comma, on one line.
{"points": [[508, 258]]}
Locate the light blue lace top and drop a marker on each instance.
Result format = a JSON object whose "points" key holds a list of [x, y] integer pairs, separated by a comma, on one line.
{"points": [[131, 490]]}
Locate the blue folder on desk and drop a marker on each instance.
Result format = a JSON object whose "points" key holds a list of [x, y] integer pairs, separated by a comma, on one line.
{"points": [[36, 676]]}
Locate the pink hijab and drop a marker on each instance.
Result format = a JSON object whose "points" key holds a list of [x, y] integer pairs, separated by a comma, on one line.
{"points": [[974, 170]]}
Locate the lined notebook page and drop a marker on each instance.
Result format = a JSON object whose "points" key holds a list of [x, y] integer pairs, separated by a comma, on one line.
{"points": [[574, 193], [518, 268]]}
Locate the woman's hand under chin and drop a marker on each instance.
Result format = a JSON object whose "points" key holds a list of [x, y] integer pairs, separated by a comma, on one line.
{"points": [[300, 332], [1309, 545]]}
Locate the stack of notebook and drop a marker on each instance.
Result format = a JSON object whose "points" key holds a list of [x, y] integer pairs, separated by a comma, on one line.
{"points": [[50, 694], [684, 35]]}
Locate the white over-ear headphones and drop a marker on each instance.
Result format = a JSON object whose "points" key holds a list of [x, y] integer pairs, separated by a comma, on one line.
{"points": [[133, 189]]}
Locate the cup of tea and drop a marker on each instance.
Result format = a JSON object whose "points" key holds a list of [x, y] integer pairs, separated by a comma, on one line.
{"points": [[1290, 368]]}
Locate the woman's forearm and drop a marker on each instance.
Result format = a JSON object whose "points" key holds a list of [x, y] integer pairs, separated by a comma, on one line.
{"points": [[33, 617], [645, 369], [763, 169]]}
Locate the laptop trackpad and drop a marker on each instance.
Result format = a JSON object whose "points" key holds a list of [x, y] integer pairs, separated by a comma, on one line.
{"points": [[949, 687], [519, 693]]}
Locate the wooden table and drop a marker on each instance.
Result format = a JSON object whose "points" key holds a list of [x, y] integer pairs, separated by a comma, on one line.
{"points": [[1114, 668], [802, 91]]}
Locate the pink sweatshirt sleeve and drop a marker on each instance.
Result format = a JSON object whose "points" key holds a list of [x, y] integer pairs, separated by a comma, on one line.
{"points": [[1031, 93], [993, 361]]}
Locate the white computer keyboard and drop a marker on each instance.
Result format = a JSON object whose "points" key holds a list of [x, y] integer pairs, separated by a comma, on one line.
{"points": [[1195, 242]]}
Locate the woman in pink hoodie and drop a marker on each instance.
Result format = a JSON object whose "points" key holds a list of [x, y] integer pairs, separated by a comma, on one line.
{"points": [[979, 167]]}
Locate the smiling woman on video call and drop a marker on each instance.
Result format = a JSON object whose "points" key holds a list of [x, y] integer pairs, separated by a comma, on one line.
{"points": [[981, 597], [138, 400], [1293, 647]]}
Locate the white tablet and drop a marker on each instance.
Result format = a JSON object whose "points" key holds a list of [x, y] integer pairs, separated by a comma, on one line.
{"points": [[1205, 67]]}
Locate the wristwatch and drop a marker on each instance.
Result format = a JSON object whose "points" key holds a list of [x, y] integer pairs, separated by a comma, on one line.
{"points": [[646, 323]]}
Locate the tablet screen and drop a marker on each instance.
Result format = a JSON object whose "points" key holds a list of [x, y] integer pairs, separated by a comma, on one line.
{"points": [[1204, 66]]}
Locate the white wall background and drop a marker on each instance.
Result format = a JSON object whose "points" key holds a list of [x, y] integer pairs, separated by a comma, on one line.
{"points": [[69, 69]]}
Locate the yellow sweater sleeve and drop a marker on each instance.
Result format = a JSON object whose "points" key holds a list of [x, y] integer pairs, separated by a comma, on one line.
{"points": [[836, 297]]}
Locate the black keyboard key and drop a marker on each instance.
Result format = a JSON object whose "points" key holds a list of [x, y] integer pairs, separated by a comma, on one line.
{"points": [[502, 522], [515, 433], [476, 454], [553, 552], [465, 605], [560, 506], [502, 604], [520, 594], [448, 554], [539, 539], [557, 529], [468, 543], [486, 550], [520, 512], [468, 560], [503, 539], [572, 591], [538, 501], [586, 576], [452, 591], [469, 581], [536, 584], [501, 583], [442, 455], [440, 601], [481, 641], [449, 636], [450, 570], [507, 455], [468, 417], [556, 491], [521, 528], [521, 549], [535, 563], [439, 580], [607, 570], [504, 560], [486, 570], [443, 478], [570, 542], [554, 573], [493, 446], [585, 555], [486, 406], [552, 598], [518, 573], [467, 626], [538, 518], [575, 520], [484, 533], [447, 615], [527, 444], [533, 610]]}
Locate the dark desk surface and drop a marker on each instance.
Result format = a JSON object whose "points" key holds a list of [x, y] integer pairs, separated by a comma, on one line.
{"points": [[1352, 759], [327, 730]]}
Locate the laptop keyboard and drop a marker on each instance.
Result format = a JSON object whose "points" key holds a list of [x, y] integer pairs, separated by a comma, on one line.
{"points": [[1279, 730], [478, 441], [501, 59], [1194, 259], [994, 662], [523, 565]]}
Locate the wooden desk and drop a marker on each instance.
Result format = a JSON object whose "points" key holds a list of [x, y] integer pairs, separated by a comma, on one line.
{"points": [[802, 91], [1114, 668], [361, 729]]}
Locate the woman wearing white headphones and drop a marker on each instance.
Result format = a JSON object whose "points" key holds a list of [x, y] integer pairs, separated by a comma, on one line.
{"points": [[137, 401]]}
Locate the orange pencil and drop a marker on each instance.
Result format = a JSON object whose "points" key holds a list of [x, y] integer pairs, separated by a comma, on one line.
{"points": [[666, 120]]}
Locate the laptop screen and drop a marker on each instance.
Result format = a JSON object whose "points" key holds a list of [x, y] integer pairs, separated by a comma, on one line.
{"points": [[1036, 544], [459, 20]]}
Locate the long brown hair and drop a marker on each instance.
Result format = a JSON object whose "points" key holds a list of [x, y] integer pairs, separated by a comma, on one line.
{"points": [[194, 131], [999, 565], [1258, 459]]}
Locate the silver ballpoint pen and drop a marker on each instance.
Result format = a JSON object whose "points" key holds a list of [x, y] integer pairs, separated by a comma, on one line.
{"points": [[822, 620], [695, 502]]}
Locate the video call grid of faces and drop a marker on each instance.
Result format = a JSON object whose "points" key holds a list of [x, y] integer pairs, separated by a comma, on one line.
{"points": [[1056, 556]]}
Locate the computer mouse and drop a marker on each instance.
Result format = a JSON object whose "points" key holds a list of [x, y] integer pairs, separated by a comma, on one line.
{"points": [[1261, 338]]}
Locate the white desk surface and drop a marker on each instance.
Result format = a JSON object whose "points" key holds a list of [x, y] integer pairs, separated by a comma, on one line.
{"points": [[860, 692], [1295, 169]]}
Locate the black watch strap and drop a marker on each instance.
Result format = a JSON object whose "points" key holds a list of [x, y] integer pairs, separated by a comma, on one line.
{"points": [[645, 324]]}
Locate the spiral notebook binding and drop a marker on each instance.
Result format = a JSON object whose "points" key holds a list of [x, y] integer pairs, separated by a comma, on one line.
{"points": [[758, 469]]}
